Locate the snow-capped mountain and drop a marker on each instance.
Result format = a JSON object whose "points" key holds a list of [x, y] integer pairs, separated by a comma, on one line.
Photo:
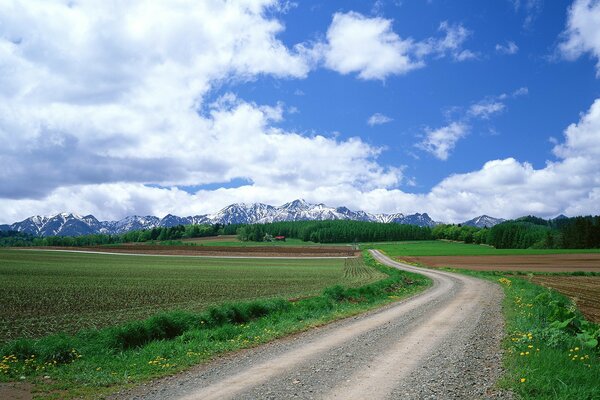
{"points": [[240, 213], [483, 220]]}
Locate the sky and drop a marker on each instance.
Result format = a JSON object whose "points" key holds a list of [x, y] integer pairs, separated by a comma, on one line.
{"points": [[456, 109]]}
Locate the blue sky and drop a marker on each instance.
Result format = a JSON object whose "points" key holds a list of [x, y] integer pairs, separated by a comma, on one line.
{"points": [[452, 108]]}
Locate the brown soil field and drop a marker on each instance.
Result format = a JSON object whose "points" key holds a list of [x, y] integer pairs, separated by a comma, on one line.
{"points": [[533, 263], [212, 239], [223, 251], [584, 290]]}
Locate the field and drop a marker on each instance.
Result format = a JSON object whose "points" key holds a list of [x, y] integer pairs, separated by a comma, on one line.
{"points": [[584, 290], [530, 263], [232, 240], [43, 292], [215, 250], [447, 248]]}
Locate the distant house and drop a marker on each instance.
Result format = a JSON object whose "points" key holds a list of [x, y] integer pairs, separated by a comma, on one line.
{"points": [[280, 238]]}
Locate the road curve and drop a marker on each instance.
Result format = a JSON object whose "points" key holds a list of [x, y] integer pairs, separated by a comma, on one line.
{"points": [[443, 343]]}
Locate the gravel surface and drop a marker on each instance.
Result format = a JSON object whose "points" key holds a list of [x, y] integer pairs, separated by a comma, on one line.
{"points": [[441, 344]]}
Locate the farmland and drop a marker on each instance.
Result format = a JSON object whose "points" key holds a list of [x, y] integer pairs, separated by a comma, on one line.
{"points": [[448, 248], [46, 292], [216, 250], [584, 290], [527, 263]]}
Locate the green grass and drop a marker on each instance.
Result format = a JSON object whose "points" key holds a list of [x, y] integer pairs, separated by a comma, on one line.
{"points": [[101, 361], [445, 248], [45, 292]]}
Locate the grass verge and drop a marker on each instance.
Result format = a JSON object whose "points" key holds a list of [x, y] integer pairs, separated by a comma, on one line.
{"points": [[94, 362], [551, 350]]}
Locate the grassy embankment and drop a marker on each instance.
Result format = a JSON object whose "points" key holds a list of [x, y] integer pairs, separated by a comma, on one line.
{"points": [[552, 351], [97, 361]]}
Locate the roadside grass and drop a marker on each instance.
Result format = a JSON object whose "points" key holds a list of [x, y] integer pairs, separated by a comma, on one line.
{"points": [[45, 292], [93, 362], [447, 248], [551, 350]]}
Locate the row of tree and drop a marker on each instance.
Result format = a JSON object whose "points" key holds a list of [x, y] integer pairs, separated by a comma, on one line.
{"points": [[335, 231], [526, 232]]}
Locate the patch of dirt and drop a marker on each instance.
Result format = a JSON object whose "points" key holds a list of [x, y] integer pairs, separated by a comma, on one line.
{"points": [[583, 290], [212, 239], [533, 263], [238, 251], [16, 391]]}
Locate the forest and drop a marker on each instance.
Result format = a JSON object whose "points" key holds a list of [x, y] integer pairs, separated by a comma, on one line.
{"points": [[529, 232], [335, 231]]}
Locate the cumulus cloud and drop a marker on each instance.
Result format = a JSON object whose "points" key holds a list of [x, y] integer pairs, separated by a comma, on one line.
{"points": [[511, 188], [440, 142], [505, 188], [582, 34], [113, 92], [508, 48], [371, 48], [367, 46], [378, 119]]}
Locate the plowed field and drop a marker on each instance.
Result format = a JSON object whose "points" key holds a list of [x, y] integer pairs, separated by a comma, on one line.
{"points": [[533, 263], [584, 290]]}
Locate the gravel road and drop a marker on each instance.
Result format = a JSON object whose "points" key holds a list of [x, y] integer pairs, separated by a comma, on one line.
{"points": [[441, 344]]}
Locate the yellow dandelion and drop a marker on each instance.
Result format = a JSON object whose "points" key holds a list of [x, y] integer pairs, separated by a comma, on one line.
{"points": [[523, 380]]}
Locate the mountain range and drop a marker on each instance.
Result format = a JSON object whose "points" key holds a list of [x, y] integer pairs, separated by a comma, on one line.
{"points": [[69, 224]]}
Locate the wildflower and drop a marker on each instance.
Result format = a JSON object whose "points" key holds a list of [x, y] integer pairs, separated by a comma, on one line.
{"points": [[523, 380], [576, 348]]}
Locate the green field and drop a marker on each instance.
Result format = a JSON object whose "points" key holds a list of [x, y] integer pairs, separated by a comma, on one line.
{"points": [[44, 292], [446, 248]]}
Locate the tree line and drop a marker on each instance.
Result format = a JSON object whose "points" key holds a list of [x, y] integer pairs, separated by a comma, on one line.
{"points": [[526, 232], [335, 231]]}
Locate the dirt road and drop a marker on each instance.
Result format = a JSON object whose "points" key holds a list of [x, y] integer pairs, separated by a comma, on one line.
{"points": [[443, 343]]}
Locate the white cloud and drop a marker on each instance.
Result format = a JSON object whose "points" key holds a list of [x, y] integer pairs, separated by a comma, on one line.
{"points": [[370, 47], [486, 109], [582, 34], [508, 48], [378, 119], [505, 188], [522, 91], [511, 188], [108, 94], [440, 142], [531, 9], [367, 46]]}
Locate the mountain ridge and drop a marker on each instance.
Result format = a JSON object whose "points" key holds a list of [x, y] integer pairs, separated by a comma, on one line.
{"points": [[71, 224]]}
